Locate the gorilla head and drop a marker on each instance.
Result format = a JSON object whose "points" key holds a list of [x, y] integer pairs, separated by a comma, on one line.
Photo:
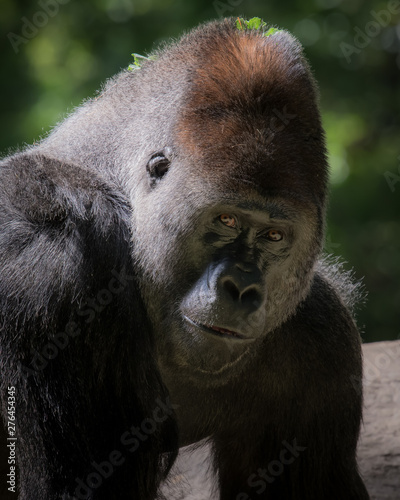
{"points": [[229, 207]]}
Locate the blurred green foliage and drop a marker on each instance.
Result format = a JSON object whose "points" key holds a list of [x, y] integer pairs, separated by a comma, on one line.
{"points": [[54, 54]]}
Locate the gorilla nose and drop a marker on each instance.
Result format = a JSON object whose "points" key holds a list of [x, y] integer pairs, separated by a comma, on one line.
{"points": [[241, 287]]}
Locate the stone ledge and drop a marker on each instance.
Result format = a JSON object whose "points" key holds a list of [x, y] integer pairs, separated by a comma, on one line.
{"points": [[379, 447]]}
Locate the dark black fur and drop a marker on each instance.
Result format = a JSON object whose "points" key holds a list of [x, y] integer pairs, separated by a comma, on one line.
{"points": [[111, 230], [64, 231]]}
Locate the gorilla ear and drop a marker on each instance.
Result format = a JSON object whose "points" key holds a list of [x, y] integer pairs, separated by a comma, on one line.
{"points": [[158, 165]]}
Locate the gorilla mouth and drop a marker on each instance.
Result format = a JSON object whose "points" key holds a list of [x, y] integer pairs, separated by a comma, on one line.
{"points": [[216, 330], [223, 331]]}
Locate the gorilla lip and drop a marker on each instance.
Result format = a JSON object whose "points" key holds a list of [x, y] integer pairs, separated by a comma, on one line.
{"points": [[216, 330], [223, 331]]}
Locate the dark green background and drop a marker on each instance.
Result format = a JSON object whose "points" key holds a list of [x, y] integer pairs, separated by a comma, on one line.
{"points": [[66, 59]]}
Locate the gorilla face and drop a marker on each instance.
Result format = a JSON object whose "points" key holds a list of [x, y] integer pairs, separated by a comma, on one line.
{"points": [[241, 258]]}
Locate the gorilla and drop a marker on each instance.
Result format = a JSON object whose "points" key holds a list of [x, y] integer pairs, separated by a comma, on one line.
{"points": [[161, 283]]}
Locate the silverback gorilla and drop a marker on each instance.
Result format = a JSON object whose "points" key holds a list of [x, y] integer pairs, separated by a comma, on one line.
{"points": [[160, 284]]}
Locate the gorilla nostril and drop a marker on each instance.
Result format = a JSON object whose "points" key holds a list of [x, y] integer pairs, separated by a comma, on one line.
{"points": [[251, 297], [232, 289]]}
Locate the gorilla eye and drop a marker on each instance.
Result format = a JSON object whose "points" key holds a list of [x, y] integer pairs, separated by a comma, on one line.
{"points": [[228, 220], [274, 235], [157, 166]]}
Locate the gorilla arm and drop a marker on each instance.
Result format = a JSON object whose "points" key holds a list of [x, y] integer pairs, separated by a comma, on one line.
{"points": [[75, 342]]}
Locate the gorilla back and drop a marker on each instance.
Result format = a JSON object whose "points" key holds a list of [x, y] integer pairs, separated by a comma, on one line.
{"points": [[161, 283]]}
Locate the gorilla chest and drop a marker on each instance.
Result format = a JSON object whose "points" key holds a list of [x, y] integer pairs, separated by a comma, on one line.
{"points": [[205, 407]]}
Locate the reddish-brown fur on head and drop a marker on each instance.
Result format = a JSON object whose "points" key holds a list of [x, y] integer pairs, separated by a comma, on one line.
{"points": [[251, 112]]}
